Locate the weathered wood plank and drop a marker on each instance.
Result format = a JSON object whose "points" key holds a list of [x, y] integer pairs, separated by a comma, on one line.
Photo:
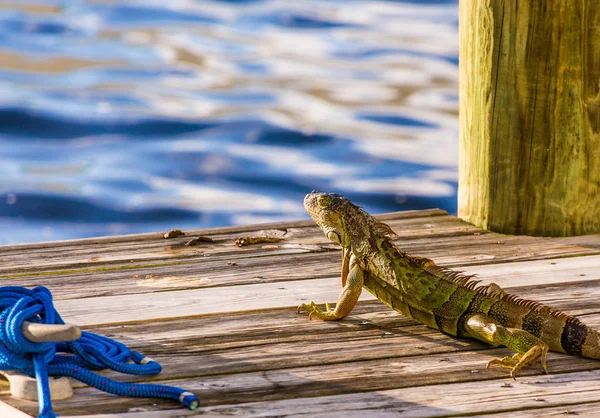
{"points": [[182, 303], [175, 413], [280, 330], [161, 252], [213, 271], [432, 235], [231, 333], [367, 375], [235, 229], [158, 248], [286, 393], [577, 298], [438, 400], [318, 348], [270, 339], [370, 322], [344, 351], [416, 341]]}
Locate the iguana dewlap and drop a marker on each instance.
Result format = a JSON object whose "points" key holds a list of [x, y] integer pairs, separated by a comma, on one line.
{"points": [[437, 297]]}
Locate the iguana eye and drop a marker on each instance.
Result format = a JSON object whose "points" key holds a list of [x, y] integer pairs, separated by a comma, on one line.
{"points": [[335, 237], [324, 201]]}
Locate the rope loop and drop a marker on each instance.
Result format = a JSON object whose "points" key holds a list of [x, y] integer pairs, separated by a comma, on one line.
{"points": [[18, 304], [90, 351]]}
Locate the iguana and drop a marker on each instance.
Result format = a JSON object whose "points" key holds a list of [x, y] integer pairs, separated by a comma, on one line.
{"points": [[438, 297]]}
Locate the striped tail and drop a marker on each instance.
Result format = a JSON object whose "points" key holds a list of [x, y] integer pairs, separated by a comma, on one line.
{"points": [[585, 343], [567, 334], [562, 332]]}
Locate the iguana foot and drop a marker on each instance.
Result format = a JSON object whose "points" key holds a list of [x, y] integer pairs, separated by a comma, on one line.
{"points": [[518, 361], [506, 362], [314, 311], [528, 346]]}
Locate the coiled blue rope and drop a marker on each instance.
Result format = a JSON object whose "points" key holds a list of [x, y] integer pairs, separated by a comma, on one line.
{"points": [[90, 351]]}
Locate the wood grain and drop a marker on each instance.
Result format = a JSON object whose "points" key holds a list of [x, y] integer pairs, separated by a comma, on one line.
{"points": [[156, 249], [459, 252], [130, 308], [439, 400], [530, 116], [222, 321], [476, 395]]}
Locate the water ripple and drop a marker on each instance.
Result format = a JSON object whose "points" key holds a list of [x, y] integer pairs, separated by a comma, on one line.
{"points": [[134, 116]]}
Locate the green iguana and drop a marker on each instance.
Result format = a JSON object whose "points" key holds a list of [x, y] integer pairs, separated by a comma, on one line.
{"points": [[437, 297]]}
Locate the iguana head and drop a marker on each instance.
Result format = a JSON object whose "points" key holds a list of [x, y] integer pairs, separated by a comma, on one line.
{"points": [[343, 222]]}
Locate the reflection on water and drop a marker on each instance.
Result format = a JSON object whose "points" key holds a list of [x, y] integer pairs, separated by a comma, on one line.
{"points": [[130, 116]]}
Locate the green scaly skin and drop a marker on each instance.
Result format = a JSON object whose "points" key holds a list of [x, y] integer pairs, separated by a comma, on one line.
{"points": [[439, 298]]}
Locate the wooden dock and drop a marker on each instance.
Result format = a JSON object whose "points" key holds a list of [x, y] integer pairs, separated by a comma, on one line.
{"points": [[222, 321]]}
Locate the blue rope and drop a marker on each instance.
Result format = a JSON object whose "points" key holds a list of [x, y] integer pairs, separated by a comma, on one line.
{"points": [[90, 351]]}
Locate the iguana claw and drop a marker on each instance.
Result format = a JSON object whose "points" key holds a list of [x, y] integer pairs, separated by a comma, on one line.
{"points": [[310, 308], [314, 310], [518, 361]]}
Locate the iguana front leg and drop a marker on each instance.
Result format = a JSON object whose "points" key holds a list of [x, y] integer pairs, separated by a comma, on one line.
{"points": [[527, 346], [346, 256], [346, 301]]}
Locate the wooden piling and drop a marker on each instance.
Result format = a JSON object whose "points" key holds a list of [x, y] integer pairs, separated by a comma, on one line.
{"points": [[530, 116]]}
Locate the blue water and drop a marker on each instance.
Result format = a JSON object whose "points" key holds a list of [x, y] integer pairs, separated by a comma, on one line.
{"points": [[134, 116]]}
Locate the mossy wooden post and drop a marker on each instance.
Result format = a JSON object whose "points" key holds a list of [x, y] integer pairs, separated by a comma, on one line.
{"points": [[530, 116]]}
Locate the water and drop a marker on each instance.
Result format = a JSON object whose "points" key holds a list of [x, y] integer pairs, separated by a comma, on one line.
{"points": [[134, 116]]}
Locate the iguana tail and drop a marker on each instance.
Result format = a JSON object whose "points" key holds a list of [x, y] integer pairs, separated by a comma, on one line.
{"points": [[567, 334], [562, 332], [591, 344]]}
